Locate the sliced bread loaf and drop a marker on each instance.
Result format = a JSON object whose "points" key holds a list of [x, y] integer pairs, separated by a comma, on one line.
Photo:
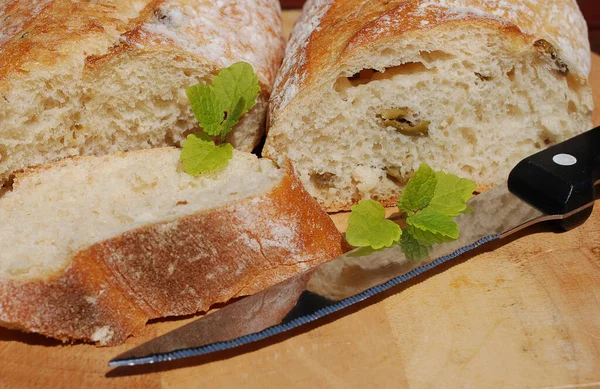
{"points": [[93, 247], [370, 89], [96, 77]]}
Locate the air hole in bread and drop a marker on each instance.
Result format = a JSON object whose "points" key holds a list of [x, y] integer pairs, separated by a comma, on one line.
{"points": [[514, 110], [468, 134], [546, 137], [85, 99], [3, 153], [169, 138], [33, 120], [51, 103], [483, 77], [435, 55], [139, 185], [367, 75], [387, 52], [467, 169], [362, 77], [404, 69], [574, 83], [8, 185], [511, 74]]}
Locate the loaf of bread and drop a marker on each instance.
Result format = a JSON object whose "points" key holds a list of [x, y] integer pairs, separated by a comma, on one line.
{"points": [[95, 77], [370, 89], [93, 247]]}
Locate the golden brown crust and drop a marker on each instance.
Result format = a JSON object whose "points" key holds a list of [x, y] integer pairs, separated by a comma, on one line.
{"points": [[336, 38], [75, 304], [176, 268], [44, 33], [63, 64], [314, 51], [143, 36]]}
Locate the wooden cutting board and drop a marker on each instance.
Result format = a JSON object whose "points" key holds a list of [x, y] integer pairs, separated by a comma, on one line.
{"points": [[523, 313]]}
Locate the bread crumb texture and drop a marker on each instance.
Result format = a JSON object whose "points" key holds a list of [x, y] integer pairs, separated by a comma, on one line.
{"points": [[369, 90], [96, 77], [93, 247], [80, 202]]}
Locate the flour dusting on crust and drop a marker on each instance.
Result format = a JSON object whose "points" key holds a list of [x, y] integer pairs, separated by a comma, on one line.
{"points": [[11, 25], [295, 57], [222, 32], [557, 21]]}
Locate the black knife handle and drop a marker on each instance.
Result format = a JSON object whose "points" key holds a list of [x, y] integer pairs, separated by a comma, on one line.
{"points": [[561, 179]]}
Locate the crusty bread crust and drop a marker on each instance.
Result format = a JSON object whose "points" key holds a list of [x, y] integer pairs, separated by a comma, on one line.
{"points": [[109, 290], [63, 62], [335, 39], [314, 51]]}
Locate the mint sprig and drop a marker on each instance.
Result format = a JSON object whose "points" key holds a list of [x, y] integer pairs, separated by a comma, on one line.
{"points": [[201, 155], [218, 108], [430, 213], [368, 227], [419, 191], [429, 201]]}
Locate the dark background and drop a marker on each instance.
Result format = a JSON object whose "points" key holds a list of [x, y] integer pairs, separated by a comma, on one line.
{"points": [[590, 9]]}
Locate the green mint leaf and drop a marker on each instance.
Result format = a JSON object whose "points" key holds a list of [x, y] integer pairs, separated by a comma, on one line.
{"points": [[435, 222], [451, 194], [426, 237], [367, 226], [233, 118], [208, 109], [412, 248], [219, 107], [235, 83], [363, 251], [200, 155], [419, 191]]}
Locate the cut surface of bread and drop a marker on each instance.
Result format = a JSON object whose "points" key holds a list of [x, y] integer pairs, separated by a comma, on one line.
{"points": [[93, 247], [54, 212], [96, 77], [469, 87]]}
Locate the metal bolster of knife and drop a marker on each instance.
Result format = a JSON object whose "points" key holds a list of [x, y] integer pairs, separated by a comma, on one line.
{"points": [[561, 180]]}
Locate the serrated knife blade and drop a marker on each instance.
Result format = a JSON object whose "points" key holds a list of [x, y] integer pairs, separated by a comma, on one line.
{"points": [[555, 184]]}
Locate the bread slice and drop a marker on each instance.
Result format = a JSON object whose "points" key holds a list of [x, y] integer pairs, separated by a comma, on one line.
{"points": [[97, 77], [369, 90], [93, 247]]}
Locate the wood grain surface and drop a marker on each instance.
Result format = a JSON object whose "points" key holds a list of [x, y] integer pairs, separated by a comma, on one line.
{"points": [[518, 314]]}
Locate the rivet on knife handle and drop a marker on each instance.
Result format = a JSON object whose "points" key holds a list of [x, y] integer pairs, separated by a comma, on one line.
{"points": [[561, 179]]}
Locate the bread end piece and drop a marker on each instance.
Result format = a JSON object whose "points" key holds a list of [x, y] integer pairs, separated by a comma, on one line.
{"points": [[181, 266], [451, 84], [94, 78]]}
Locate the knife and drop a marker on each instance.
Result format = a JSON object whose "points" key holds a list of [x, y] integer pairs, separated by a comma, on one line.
{"points": [[555, 184]]}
